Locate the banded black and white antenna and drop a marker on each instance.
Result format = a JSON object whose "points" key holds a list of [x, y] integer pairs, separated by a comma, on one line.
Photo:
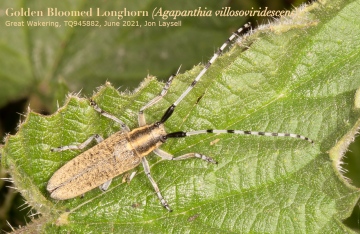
{"points": [[171, 109], [273, 134]]}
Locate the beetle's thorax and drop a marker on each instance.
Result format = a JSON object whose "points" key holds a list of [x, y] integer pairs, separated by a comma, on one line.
{"points": [[147, 138]]}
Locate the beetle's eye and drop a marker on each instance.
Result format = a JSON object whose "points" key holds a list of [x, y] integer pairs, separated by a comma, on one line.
{"points": [[163, 138]]}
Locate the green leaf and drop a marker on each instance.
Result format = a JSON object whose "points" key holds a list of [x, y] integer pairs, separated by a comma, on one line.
{"points": [[298, 75], [33, 59]]}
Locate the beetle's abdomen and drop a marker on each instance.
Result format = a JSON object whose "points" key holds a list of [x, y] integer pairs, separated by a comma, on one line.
{"points": [[104, 161]]}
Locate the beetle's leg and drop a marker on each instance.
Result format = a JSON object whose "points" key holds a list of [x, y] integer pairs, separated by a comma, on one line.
{"points": [[132, 175], [165, 155], [141, 116], [153, 183], [105, 185], [128, 177], [97, 137], [124, 127]]}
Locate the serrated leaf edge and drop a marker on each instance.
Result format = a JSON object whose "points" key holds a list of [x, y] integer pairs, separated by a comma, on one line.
{"points": [[337, 152]]}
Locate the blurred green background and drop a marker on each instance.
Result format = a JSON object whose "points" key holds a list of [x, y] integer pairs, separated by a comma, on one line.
{"points": [[62, 60]]}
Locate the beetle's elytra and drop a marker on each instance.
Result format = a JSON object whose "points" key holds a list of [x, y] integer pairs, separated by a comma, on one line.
{"points": [[115, 155]]}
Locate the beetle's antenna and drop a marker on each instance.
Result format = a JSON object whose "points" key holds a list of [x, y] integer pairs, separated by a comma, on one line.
{"points": [[278, 134], [171, 109]]}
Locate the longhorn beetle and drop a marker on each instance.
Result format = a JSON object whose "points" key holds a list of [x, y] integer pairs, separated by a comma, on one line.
{"points": [[125, 149]]}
